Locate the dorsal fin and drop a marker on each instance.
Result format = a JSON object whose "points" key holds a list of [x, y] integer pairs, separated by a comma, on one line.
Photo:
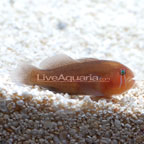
{"points": [[57, 61], [86, 60]]}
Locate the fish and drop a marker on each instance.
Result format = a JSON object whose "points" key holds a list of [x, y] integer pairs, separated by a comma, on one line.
{"points": [[86, 76]]}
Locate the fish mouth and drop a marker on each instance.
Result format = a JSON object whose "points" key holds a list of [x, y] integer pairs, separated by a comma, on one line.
{"points": [[131, 78], [131, 81]]}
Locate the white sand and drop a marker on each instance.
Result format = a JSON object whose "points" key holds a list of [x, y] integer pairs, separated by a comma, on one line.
{"points": [[30, 31]]}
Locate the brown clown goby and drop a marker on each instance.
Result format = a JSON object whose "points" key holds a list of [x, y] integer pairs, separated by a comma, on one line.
{"points": [[112, 77]]}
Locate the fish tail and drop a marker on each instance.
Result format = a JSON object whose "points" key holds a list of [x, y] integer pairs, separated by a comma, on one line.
{"points": [[23, 74]]}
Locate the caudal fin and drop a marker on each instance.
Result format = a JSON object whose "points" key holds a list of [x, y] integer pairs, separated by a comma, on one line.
{"points": [[22, 74]]}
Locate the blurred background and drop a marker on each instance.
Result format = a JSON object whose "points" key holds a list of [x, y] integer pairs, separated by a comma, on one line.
{"points": [[31, 30]]}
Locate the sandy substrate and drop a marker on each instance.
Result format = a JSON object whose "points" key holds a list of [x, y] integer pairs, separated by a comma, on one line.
{"points": [[31, 31]]}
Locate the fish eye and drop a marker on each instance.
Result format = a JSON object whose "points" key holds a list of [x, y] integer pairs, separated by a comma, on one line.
{"points": [[122, 72]]}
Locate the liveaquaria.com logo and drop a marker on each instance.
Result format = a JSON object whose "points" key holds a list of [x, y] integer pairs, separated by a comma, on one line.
{"points": [[68, 78]]}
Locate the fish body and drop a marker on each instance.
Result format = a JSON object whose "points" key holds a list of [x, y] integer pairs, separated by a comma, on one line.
{"points": [[99, 78]]}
